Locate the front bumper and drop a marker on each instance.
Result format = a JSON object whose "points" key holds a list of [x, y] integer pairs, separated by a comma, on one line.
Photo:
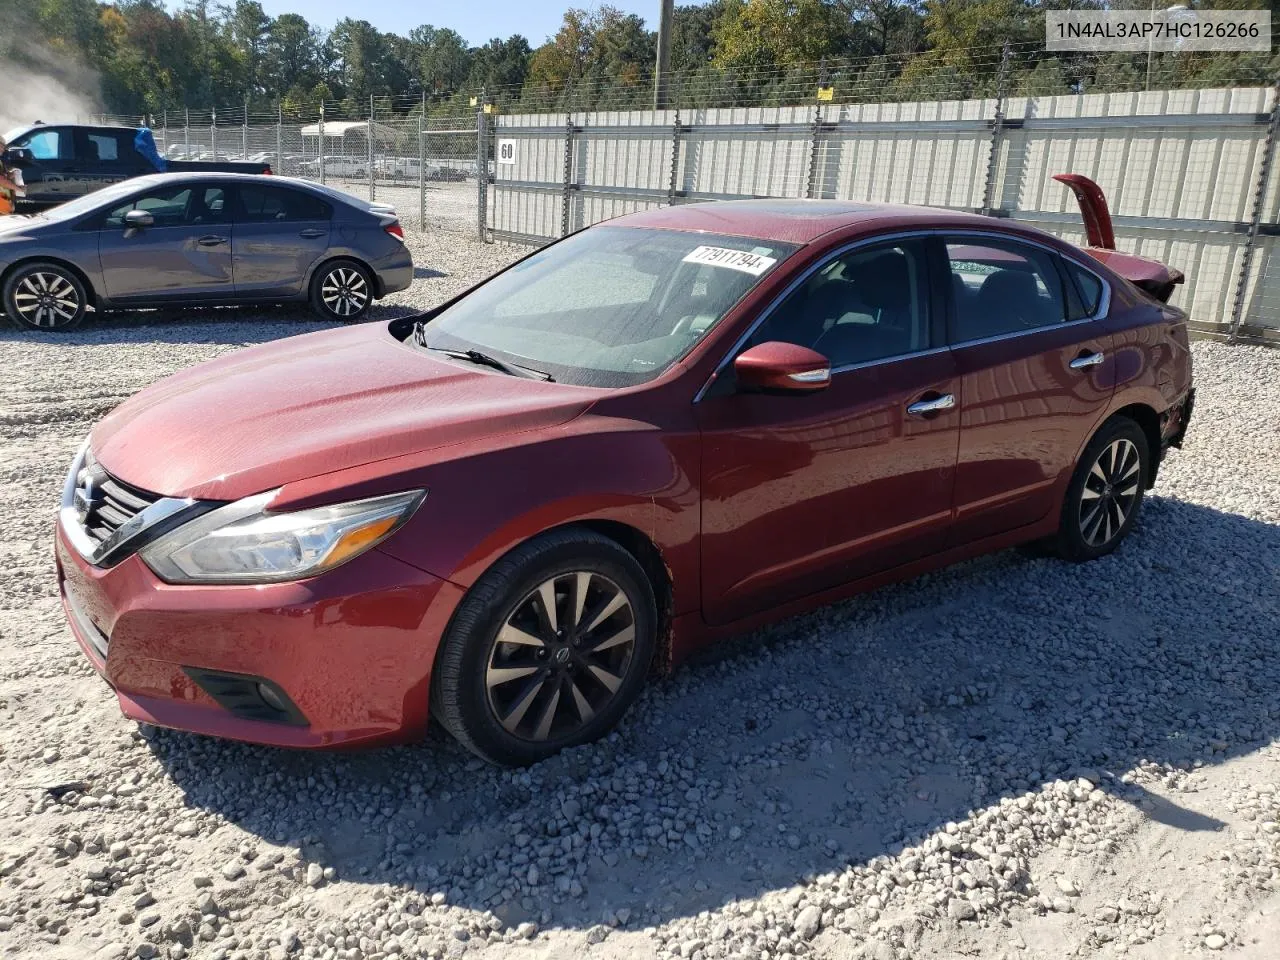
{"points": [[351, 649]]}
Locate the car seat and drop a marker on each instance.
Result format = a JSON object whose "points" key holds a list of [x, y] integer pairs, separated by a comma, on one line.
{"points": [[1007, 301], [879, 288]]}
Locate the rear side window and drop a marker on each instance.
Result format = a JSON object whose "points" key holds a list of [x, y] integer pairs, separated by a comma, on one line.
{"points": [[267, 204], [1088, 289], [1001, 287], [100, 146]]}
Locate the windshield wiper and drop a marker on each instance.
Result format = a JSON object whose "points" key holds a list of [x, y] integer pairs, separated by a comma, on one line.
{"points": [[477, 357]]}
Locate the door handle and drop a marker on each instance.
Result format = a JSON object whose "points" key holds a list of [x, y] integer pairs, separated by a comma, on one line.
{"points": [[1086, 360], [312, 234], [211, 241], [923, 407]]}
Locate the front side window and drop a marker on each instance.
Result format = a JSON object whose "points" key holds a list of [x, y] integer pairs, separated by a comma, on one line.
{"points": [[1001, 287], [174, 206], [44, 145], [869, 304], [610, 306]]}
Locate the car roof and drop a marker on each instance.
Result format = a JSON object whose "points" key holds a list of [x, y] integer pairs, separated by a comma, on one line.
{"points": [[795, 221]]}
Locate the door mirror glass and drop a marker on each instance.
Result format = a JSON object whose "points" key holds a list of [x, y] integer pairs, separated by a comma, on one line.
{"points": [[138, 219], [782, 367]]}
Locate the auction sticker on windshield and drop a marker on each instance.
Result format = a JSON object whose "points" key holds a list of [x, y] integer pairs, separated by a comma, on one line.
{"points": [[752, 263]]}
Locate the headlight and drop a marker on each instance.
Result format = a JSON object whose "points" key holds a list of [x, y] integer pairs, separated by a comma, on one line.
{"points": [[243, 543]]}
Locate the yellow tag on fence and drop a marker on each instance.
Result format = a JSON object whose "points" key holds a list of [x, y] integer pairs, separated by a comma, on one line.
{"points": [[474, 101], [490, 108], [826, 93]]}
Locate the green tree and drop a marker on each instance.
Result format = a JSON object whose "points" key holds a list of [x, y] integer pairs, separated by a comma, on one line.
{"points": [[249, 28], [440, 60], [292, 56]]}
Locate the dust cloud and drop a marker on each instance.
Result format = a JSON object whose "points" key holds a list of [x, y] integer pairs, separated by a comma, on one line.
{"points": [[37, 83]]}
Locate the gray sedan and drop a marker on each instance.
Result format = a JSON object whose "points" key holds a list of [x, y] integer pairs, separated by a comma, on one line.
{"points": [[190, 239]]}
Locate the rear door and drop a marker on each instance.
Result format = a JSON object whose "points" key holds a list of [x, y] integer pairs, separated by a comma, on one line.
{"points": [[1036, 372], [185, 255], [281, 233], [105, 155]]}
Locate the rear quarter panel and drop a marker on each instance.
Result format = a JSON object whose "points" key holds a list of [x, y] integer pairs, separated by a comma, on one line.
{"points": [[362, 237], [1152, 350]]}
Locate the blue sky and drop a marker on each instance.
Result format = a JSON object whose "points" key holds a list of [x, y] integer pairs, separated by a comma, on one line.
{"points": [[477, 21]]}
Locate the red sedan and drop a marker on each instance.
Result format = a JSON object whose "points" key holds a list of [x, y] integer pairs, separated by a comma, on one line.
{"points": [[506, 513]]}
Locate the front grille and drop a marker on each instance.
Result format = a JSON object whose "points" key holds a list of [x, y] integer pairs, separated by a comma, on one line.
{"points": [[106, 504]]}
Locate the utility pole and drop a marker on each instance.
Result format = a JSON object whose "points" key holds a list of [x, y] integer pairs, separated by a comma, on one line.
{"points": [[662, 70]]}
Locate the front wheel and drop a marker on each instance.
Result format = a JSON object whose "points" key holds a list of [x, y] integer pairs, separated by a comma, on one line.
{"points": [[44, 296], [1105, 492], [547, 650], [342, 290]]}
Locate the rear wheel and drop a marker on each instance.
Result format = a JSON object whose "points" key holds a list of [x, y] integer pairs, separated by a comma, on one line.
{"points": [[547, 650], [44, 296], [1105, 493], [342, 290]]}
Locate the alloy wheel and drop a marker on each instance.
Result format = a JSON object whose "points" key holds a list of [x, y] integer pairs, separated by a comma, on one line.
{"points": [[1110, 492], [344, 291], [45, 299], [561, 656]]}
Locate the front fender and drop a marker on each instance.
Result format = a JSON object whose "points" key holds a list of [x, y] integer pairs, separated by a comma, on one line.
{"points": [[482, 503]]}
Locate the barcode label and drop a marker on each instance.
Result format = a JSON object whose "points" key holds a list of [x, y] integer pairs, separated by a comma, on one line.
{"points": [[752, 263]]}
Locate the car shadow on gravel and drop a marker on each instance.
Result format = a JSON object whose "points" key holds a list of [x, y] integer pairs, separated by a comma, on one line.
{"points": [[823, 742]]}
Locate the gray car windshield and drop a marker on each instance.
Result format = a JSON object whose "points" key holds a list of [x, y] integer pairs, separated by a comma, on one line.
{"points": [[610, 306]]}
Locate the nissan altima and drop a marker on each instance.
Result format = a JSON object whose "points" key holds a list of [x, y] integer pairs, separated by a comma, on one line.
{"points": [[507, 513]]}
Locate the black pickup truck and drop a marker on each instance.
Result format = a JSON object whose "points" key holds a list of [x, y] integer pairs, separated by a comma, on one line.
{"points": [[60, 162]]}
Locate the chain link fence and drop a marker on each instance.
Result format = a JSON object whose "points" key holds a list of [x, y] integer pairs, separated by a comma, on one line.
{"points": [[1187, 170], [426, 167]]}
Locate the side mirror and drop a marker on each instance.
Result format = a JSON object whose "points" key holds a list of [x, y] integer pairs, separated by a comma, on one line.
{"points": [[18, 157], [782, 367], [138, 219]]}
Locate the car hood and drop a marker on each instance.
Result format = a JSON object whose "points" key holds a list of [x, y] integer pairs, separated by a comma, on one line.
{"points": [[308, 405]]}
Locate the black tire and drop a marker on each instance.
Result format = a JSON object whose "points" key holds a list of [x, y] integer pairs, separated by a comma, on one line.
{"points": [[342, 285], [466, 695], [44, 296], [1105, 494]]}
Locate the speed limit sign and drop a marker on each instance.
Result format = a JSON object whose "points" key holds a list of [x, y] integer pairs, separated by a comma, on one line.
{"points": [[506, 151]]}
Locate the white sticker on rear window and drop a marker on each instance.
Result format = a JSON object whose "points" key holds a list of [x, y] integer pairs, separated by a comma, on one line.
{"points": [[751, 263]]}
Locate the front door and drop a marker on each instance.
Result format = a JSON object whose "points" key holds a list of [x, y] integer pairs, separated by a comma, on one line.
{"points": [[280, 234], [51, 175], [803, 492], [1037, 372], [184, 255]]}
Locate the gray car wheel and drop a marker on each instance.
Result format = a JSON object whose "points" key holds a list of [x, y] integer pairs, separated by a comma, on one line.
{"points": [[342, 290], [44, 296]]}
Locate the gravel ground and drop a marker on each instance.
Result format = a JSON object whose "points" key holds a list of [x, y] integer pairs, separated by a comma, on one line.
{"points": [[1013, 757]]}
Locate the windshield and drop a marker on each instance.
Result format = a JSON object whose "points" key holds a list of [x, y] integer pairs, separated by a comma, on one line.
{"points": [[610, 306], [92, 201]]}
